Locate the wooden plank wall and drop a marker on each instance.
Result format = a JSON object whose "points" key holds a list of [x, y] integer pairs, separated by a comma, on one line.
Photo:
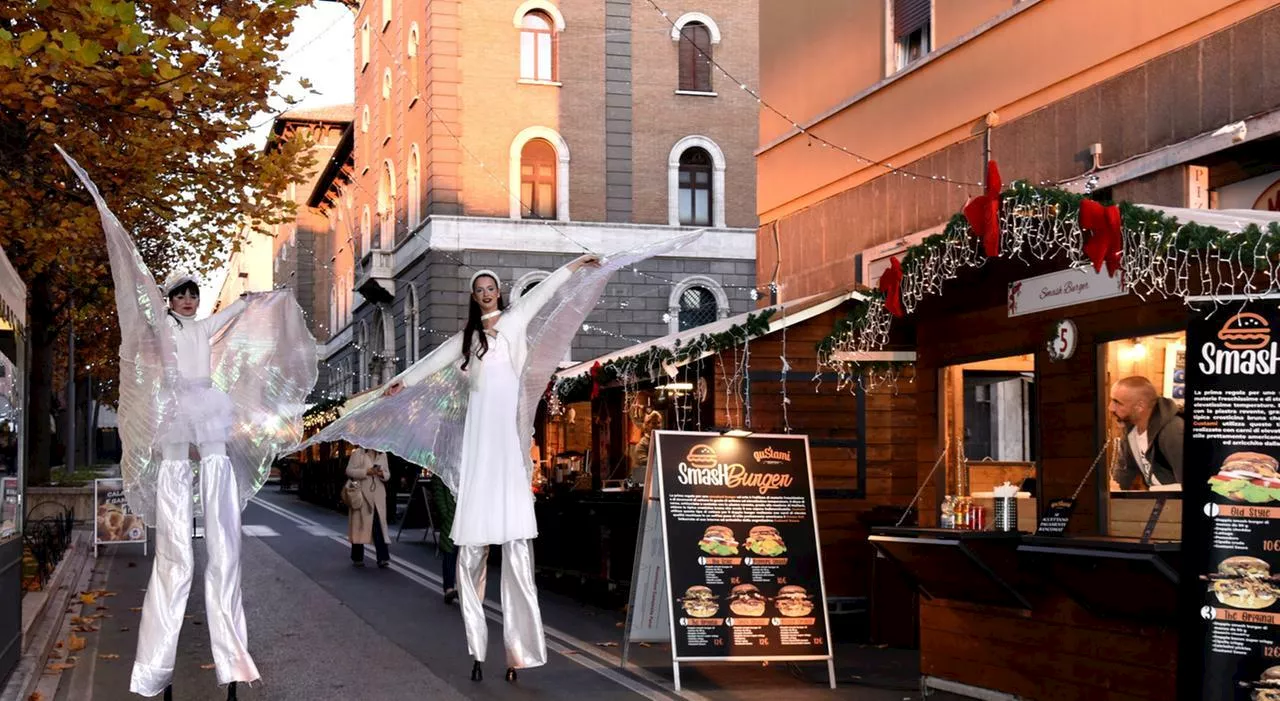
{"points": [[1076, 656], [823, 411]]}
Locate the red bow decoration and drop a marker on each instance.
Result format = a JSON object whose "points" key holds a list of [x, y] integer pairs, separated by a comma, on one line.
{"points": [[891, 286], [1103, 242], [983, 212], [595, 380]]}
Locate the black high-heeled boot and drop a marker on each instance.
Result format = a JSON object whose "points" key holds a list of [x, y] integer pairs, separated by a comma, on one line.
{"points": [[168, 693], [231, 692], [476, 674], [511, 674]]}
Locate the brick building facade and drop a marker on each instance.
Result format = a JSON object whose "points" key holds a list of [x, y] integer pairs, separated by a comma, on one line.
{"points": [[514, 135]]}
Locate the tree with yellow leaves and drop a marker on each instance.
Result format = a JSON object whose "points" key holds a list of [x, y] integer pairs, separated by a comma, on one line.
{"points": [[148, 96]]}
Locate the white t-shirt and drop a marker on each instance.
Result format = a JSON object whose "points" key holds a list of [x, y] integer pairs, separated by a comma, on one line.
{"points": [[1138, 446]]}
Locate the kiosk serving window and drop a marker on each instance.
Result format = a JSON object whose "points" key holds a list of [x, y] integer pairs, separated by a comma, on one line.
{"points": [[1141, 395]]}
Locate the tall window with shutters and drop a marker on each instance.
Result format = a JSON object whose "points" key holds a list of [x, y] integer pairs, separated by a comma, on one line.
{"points": [[912, 30], [388, 120], [412, 55], [386, 209], [537, 47], [695, 187], [695, 57], [538, 180]]}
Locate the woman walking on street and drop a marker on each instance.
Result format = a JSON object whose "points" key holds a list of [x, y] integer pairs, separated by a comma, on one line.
{"points": [[366, 508]]}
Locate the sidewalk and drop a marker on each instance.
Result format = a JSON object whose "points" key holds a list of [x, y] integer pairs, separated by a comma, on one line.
{"points": [[307, 644]]}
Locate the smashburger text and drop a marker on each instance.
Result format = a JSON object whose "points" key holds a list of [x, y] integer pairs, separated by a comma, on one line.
{"points": [[733, 476]]}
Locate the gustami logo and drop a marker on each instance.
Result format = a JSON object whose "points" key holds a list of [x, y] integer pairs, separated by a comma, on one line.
{"points": [[1248, 348]]}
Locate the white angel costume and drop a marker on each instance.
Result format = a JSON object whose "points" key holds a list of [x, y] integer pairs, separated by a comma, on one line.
{"points": [[233, 385], [474, 429]]}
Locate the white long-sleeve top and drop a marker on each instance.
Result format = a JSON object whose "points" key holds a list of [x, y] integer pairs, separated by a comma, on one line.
{"points": [[191, 338]]}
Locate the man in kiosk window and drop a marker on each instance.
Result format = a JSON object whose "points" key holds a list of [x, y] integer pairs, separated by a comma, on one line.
{"points": [[1151, 447]]}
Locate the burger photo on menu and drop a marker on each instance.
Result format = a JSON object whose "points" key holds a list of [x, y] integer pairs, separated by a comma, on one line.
{"points": [[1243, 582], [718, 540], [1267, 688], [793, 601], [746, 600], [765, 540], [1248, 477], [699, 602]]}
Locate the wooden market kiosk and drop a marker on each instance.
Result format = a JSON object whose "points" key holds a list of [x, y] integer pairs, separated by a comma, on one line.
{"points": [[1085, 615]]}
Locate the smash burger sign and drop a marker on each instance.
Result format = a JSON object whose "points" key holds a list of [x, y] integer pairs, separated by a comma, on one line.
{"points": [[1247, 348], [703, 467]]}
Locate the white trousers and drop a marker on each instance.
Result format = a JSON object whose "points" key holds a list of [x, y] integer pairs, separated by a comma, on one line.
{"points": [[166, 600], [521, 618]]}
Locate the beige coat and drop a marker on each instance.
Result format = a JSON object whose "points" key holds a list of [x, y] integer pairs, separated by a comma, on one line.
{"points": [[360, 521]]}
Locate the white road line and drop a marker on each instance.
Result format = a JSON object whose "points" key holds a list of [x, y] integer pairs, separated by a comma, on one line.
{"points": [[258, 531], [603, 664]]}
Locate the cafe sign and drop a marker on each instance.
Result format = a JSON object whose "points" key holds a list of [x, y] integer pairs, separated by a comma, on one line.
{"points": [[1062, 288]]}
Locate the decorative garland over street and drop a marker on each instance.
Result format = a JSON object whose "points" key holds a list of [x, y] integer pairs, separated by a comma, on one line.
{"points": [[651, 363], [1154, 253], [321, 414]]}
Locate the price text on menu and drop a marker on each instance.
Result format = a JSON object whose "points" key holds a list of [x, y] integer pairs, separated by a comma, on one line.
{"points": [[1229, 615], [742, 547]]}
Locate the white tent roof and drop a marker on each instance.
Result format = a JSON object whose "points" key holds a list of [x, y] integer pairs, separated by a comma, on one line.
{"points": [[786, 314], [1232, 220]]}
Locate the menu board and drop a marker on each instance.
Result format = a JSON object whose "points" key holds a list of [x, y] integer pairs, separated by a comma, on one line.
{"points": [[114, 522], [744, 569], [1230, 643]]}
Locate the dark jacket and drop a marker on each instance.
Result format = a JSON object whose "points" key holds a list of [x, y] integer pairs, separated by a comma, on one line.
{"points": [[1164, 447]]}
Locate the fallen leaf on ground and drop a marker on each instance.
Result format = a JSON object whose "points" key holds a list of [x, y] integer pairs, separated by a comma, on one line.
{"points": [[644, 644], [77, 620], [75, 642], [35, 696], [124, 629], [618, 624], [109, 657], [606, 645], [58, 644], [55, 654], [136, 608], [132, 564], [62, 666], [207, 666], [88, 599], [101, 608]]}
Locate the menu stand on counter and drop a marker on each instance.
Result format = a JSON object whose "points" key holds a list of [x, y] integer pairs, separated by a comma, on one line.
{"points": [[960, 565]]}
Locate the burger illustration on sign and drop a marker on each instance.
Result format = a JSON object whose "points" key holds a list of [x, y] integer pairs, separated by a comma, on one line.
{"points": [[1248, 477], [702, 456], [765, 540], [1245, 331], [1267, 688], [718, 540], [746, 600], [1243, 582], [793, 601], [699, 602]]}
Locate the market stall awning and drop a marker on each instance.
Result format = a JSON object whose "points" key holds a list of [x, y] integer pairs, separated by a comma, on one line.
{"points": [[13, 296], [785, 314], [1230, 220]]}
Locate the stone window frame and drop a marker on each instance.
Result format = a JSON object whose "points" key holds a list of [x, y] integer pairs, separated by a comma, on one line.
{"points": [[710, 284], [718, 168], [562, 170]]}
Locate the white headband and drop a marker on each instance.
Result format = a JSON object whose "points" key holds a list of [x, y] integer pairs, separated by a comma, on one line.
{"points": [[480, 273], [178, 279]]}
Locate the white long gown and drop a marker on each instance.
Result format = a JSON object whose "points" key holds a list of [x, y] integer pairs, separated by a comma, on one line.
{"points": [[495, 500]]}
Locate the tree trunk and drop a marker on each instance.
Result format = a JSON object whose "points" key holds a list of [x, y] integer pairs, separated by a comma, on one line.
{"points": [[40, 400]]}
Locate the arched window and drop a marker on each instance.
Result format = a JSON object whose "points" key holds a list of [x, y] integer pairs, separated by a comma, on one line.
{"points": [[537, 47], [412, 52], [525, 283], [364, 45], [695, 57], [411, 342], [697, 307], [362, 342], [333, 309], [386, 14], [415, 187], [386, 104], [538, 162], [366, 137], [695, 187], [387, 208], [366, 232]]}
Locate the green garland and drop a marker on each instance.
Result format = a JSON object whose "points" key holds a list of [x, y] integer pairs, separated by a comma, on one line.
{"points": [[1155, 233], [648, 364]]}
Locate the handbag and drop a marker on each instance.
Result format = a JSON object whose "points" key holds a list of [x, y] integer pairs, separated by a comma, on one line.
{"points": [[353, 495]]}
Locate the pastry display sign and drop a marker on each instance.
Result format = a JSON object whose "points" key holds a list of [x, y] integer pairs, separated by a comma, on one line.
{"points": [[1230, 620], [731, 526], [113, 522], [1056, 516]]}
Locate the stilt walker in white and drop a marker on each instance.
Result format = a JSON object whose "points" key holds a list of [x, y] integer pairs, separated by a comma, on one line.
{"points": [[232, 386], [466, 410]]}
